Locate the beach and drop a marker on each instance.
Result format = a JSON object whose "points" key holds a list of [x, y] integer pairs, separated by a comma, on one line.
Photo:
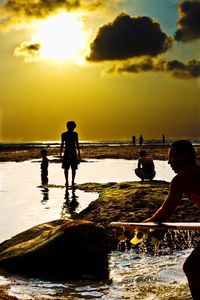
{"points": [[116, 199]]}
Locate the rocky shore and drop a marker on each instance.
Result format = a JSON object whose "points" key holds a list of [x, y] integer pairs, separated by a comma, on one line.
{"points": [[23, 153]]}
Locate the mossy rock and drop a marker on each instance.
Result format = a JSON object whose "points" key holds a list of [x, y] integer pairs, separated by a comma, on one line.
{"points": [[126, 201], [133, 202], [74, 249]]}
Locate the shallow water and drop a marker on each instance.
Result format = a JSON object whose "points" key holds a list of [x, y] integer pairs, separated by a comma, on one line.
{"points": [[24, 203], [133, 275]]}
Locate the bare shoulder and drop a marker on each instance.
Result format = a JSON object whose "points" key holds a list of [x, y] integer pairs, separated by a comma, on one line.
{"points": [[63, 134], [186, 178], [193, 170], [176, 181]]}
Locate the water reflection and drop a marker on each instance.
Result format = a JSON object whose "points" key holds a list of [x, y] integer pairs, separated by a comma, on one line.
{"points": [[45, 195], [70, 204]]}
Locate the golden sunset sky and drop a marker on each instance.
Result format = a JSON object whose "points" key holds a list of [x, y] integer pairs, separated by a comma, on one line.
{"points": [[116, 68]]}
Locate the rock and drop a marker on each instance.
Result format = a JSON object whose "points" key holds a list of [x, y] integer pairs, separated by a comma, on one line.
{"points": [[125, 201], [58, 250], [133, 202]]}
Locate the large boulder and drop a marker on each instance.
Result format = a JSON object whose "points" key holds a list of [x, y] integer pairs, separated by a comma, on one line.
{"points": [[74, 249]]}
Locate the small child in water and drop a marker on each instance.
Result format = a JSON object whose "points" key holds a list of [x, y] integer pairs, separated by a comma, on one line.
{"points": [[44, 167]]}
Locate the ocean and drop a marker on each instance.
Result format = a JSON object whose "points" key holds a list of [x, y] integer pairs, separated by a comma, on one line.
{"points": [[35, 144]]}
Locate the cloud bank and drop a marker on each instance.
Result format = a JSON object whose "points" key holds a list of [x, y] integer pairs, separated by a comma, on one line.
{"points": [[176, 68], [15, 11], [128, 37]]}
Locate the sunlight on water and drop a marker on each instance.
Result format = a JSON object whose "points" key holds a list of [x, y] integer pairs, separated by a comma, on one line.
{"points": [[149, 277], [118, 170], [24, 204]]}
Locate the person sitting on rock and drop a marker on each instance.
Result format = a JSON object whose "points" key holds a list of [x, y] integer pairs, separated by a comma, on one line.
{"points": [[145, 169]]}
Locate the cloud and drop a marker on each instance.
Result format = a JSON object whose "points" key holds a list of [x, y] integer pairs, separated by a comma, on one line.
{"points": [[15, 11], [128, 37], [189, 22], [28, 50], [38, 9], [176, 68]]}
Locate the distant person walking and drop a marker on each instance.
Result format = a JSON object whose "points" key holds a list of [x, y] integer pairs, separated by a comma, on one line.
{"points": [[44, 167], [71, 158], [163, 139], [133, 140], [141, 140], [145, 168]]}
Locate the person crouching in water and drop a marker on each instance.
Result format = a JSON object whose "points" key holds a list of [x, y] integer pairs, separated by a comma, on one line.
{"points": [[145, 168], [71, 158], [44, 167]]}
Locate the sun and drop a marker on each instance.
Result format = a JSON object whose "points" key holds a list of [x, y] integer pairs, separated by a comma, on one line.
{"points": [[61, 37]]}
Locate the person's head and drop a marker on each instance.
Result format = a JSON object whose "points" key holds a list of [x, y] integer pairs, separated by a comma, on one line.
{"points": [[181, 155], [43, 152], [71, 125], [142, 153]]}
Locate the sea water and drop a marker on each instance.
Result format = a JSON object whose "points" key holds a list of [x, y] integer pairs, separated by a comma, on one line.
{"points": [[134, 274]]}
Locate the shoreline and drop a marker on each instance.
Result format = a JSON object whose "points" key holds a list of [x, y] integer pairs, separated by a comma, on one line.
{"points": [[130, 152]]}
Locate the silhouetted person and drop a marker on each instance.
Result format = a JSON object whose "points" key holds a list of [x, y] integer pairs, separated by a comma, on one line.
{"points": [[44, 167], [71, 158], [182, 160], [141, 140], [163, 139], [145, 168], [133, 139]]}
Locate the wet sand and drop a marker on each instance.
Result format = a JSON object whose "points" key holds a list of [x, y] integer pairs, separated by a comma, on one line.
{"points": [[23, 153]]}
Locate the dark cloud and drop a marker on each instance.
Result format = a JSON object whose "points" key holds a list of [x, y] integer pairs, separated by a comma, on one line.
{"points": [[189, 22], [189, 70], [176, 68], [29, 50], [128, 37]]}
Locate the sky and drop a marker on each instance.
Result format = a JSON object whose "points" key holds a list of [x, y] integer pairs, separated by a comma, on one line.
{"points": [[116, 67]]}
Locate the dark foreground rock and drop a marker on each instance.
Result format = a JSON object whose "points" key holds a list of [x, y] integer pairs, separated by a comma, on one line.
{"points": [[58, 250]]}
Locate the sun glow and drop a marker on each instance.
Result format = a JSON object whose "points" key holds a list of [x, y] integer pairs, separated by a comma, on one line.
{"points": [[61, 37]]}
